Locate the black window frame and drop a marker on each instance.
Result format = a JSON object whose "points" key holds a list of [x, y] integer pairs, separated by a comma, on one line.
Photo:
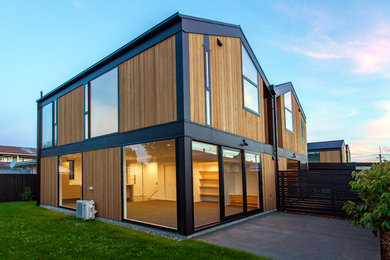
{"points": [[54, 128], [207, 80], [256, 85], [87, 107]]}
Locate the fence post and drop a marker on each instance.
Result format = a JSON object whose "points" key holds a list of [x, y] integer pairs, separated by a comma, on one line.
{"points": [[332, 198]]}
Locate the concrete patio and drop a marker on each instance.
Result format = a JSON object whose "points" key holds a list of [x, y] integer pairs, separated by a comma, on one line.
{"points": [[291, 236]]}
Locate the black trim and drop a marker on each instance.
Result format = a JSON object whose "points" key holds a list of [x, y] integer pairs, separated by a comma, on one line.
{"points": [[182, 77], [39, 141], [244, 186], [185, 203], [207, 78], [221, 184]]}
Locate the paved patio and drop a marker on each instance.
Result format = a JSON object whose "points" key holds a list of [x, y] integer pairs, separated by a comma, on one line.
{"points": [[291, 236]]}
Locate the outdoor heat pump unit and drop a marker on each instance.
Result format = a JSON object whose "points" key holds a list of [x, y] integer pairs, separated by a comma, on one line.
{"points": [[85, 209]]}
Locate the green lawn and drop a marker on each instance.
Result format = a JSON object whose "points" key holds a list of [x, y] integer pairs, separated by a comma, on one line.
{"points": [[28, 231]]}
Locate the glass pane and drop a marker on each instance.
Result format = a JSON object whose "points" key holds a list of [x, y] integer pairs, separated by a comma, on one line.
{"points": [[253, 170], [287, 100], [70, 173], [104, 104], [248, 68], [86, 126], [150, 183], [289, 120], [205, 183], [251, 96], [47, 125], [232, 178], [86, 102], [207, 59], [314, 157], [208, 108]]}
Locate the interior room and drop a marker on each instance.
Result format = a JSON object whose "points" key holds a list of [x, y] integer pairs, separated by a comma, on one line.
{"points": [[70, 181], [205, 183], [150, 183], [232, 178]]}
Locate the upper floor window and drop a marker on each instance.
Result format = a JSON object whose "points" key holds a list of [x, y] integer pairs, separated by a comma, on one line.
{"points": [[250, 83], [103, 93], [49, 125], [288, 111]]}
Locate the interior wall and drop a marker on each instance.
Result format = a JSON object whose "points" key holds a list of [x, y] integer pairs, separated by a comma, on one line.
{"points": [[203, 166]]}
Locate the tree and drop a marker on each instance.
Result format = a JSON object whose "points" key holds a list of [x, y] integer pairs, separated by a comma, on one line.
{"points": [[373, 186]]}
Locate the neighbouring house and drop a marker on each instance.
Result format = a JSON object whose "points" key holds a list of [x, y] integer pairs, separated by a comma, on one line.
{"points": [[329, 152], [179, 129], [15, 159]]}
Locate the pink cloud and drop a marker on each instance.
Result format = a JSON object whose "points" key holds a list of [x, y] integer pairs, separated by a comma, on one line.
{"points": [[369, 51], [376, 132]]}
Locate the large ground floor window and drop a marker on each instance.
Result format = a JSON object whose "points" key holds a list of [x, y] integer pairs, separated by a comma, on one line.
{"points": [[70, 180], [149, 178], [205, 172], [221, 183]]}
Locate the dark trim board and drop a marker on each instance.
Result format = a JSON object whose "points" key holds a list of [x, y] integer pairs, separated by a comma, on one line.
{"points": [[286, 87], [290, 155]]}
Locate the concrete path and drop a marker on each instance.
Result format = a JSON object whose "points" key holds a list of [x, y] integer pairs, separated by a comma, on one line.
{"points": [[290, 236]]}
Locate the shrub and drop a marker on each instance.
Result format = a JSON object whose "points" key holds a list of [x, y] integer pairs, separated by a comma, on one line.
{"points": [[27, 194]]}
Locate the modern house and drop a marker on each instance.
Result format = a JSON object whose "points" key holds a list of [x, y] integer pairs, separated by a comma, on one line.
{"points": [[178, 129], [329, 152]]}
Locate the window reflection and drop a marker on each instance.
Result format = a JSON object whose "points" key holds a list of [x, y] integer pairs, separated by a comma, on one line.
{"points": [[47, 125], [104, 104]]}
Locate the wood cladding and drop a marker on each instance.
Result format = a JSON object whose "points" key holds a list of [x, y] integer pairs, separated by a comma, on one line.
{"points": [[269, 189], [197, 80], [102, 171], [70, 117], [49, 181], [147, 87], [330, 156], [286, 139], [228, 113], [282, 164]]}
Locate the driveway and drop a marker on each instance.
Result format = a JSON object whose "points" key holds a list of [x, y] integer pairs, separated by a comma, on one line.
{"points": [[291, 236]]}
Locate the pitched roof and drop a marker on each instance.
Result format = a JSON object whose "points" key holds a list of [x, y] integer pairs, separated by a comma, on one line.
{"points": [[172, 25], [286, 87], [15, 150], [335, 144]]}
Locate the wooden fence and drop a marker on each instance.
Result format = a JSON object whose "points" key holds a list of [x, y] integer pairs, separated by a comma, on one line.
{"points": [[13, 185], [324, 188]]}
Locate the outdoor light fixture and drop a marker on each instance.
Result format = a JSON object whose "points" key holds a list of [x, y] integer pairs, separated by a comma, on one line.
{"points": [[219, 42], [244, 143], [294, 155]]}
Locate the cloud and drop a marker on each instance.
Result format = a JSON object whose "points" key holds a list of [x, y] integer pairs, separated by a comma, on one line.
{"points": [[375, 132]]}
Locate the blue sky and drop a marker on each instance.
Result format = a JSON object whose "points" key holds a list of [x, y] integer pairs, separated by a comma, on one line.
{"points": [[336, 53]]}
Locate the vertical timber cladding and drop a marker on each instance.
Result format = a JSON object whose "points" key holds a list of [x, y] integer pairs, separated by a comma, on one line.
{"points": [[197, 81], [269, 189], [102, 172], [228, 113], [286, 139], [70, 117], [49, 181], [147, 87], [330, 156]]}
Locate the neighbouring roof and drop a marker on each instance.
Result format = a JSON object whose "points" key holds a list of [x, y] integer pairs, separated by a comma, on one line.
{"points": [[286, 87], [336, 144], [175, 23], [15, 150]]}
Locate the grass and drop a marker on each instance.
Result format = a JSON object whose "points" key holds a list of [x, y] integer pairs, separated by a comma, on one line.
{"points": [[28, 231]]}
